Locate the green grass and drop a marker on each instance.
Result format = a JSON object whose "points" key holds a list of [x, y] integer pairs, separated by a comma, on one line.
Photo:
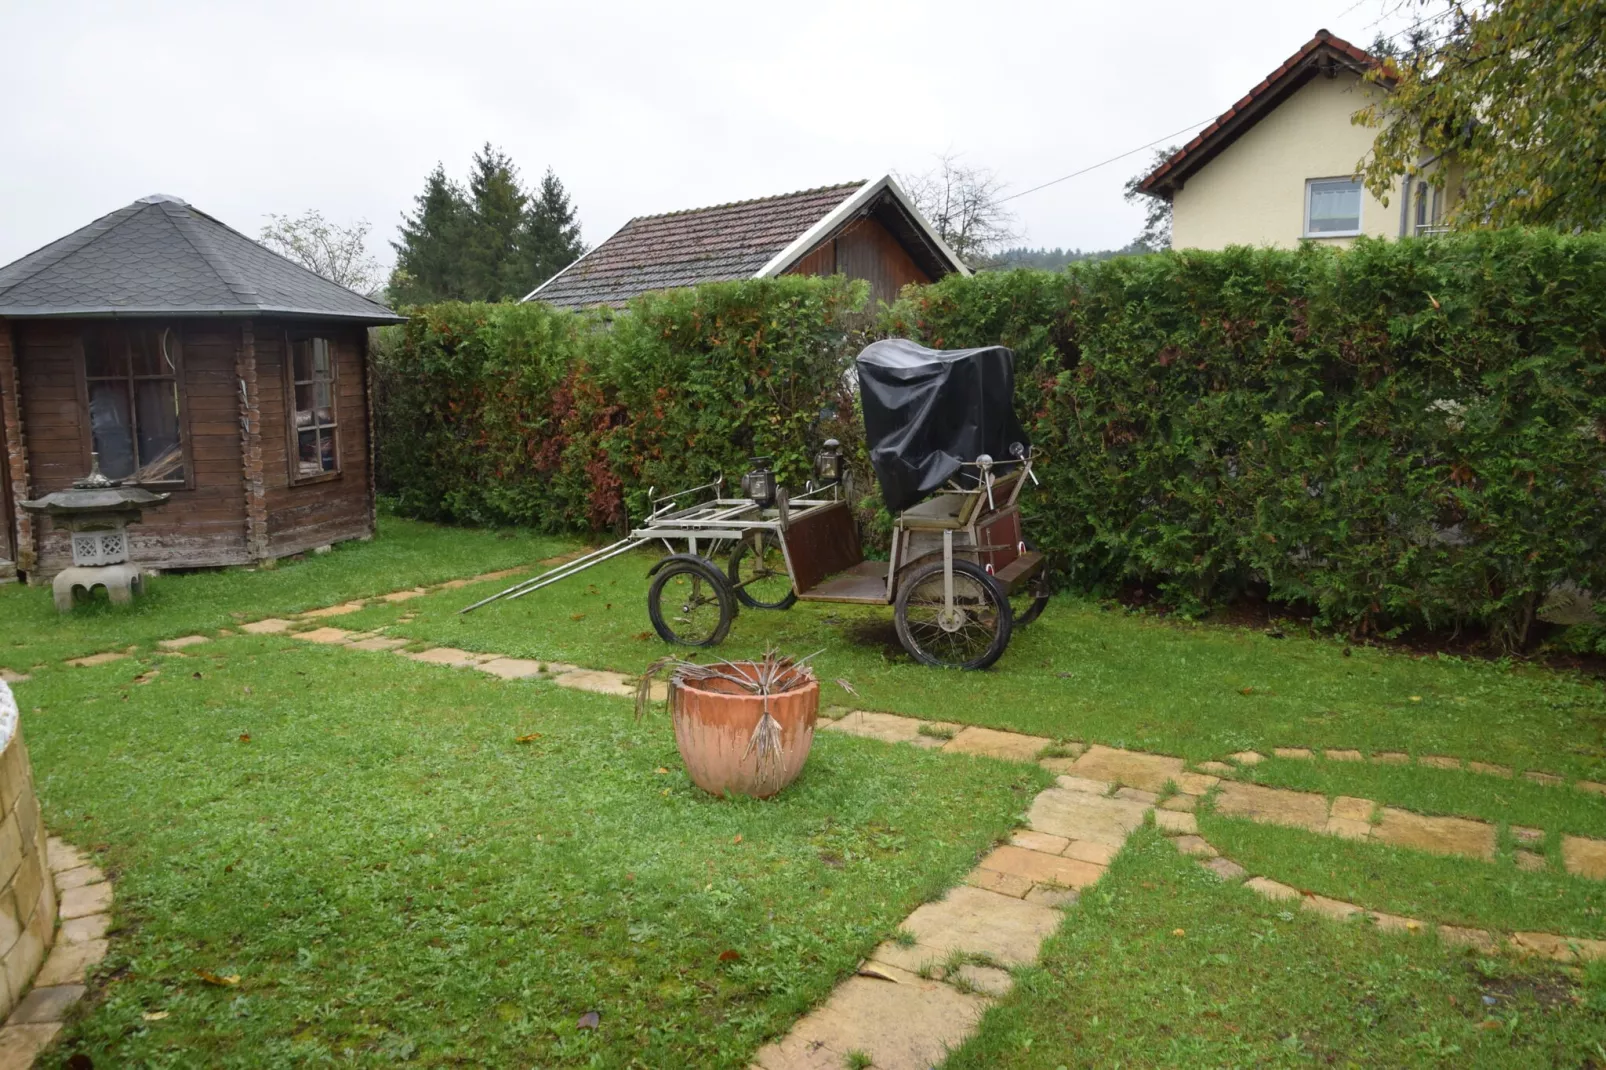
{"points": [[1431, 888], [1084, 672], [1443, 791], [1249, 983], [406, 553], [391, 875]]}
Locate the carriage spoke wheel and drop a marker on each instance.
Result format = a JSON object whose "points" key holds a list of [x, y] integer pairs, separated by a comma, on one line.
{"points": [[690, 603], [1027, 603], [758, 572], [970, 635]]}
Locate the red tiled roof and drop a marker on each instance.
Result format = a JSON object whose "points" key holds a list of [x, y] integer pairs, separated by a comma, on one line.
{"points": [[660, 252], [1247, 111]]}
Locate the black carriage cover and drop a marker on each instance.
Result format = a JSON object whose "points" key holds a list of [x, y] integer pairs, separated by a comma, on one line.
{"points": [[927, 410]]}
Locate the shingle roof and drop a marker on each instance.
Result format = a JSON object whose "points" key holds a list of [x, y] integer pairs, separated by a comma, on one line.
{"points": [[1249, 109], [159, 256], [660, 252]]}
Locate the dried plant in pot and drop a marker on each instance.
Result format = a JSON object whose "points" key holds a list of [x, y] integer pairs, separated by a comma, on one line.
{"points": [[743, 727]]}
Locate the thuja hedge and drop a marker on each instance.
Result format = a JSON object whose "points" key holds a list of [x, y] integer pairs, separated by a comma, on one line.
{"points": [[1406, 433], [522, 414]]}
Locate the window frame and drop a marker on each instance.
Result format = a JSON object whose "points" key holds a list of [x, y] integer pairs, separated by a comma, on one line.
{"points": [[292, 436], [1360, 209], [181, 391]]}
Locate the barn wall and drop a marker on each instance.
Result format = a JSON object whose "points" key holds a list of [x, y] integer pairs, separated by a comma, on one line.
{"points": [[15, 526], [864, 249], [306, 515], [201, 525]]}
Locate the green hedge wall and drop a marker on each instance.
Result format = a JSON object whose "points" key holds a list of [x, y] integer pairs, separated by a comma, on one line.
{"points": [[1406, 433], [1403, 434]]}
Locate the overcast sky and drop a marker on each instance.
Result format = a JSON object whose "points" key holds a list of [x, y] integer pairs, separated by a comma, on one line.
{"points": [[639, 107]]}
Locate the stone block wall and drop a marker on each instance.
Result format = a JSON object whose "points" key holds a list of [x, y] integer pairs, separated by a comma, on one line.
{"points": [[27, 892]]}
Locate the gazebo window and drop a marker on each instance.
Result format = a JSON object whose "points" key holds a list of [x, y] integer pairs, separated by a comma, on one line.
{"points": [[314, 430], [132, 379]]}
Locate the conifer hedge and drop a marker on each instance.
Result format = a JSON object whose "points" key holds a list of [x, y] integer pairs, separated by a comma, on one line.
{"points": [[1406, 433]]}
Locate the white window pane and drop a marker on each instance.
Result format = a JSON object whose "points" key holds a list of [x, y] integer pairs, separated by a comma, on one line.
{"points": [[1335, 206]]}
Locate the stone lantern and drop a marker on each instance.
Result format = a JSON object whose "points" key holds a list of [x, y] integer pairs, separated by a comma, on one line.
{"points": [[97, 511]]}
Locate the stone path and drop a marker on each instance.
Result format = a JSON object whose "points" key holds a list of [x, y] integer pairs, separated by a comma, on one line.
{"points": [[83, 904], [1545, 945]]}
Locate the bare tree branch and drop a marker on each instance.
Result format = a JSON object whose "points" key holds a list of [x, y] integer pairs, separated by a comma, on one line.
{"points": [[338, 253], [963, 204]]}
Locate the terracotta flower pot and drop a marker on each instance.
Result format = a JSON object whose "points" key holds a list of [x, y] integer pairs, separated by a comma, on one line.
{"points": [[714, 723]]}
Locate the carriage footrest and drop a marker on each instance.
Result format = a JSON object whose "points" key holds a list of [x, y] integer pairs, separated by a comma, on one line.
{"points": [[1019, 570]]}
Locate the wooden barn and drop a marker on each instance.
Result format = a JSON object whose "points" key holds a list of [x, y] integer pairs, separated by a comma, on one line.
{"points": [[864, 230], [193, 361]]}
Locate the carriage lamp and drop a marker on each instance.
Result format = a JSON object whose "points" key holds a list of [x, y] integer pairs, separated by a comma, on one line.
{"points": [[828, 462], [759, 484]]}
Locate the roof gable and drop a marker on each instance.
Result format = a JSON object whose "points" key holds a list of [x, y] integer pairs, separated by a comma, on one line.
{"points": [[160, 256], [743, 240], [1323, 54]]}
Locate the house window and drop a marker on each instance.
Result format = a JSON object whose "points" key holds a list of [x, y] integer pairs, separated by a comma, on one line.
{"points": [[314, 423], [132, 380], [1332, 207]]}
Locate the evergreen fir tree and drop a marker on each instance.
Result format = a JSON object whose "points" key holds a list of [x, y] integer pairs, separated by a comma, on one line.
{"points": [[551, 232], [497, 203], [430, 255]]}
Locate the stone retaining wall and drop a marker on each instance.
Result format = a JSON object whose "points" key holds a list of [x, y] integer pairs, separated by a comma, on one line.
{"points": [[27, 893]]}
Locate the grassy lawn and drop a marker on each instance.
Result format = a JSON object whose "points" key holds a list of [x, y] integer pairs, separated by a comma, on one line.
{"points": [[1161, 965], [1083, 672], [391, 875], [406, 553]]}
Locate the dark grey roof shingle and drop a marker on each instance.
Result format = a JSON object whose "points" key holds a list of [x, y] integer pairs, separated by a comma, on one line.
{"points": [[660, 252], [159, 256]]}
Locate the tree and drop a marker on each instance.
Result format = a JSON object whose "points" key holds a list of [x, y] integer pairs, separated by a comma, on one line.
{"points": [[492, 240], [430, 255], [1516, 91], [1156, 233], [338, 253], [964, 205], [551, 232]]}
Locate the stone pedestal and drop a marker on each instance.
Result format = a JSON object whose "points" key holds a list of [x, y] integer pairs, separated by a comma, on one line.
{"points": [[122, 583]]}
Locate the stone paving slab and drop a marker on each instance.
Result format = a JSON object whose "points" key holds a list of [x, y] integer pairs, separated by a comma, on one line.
{"points": [[44, 1005], [1011, 884], [183, 641], [1039, 841], [403, 596], [449, 656], [511, 668], [1083, 785], [601, 683], [1352, 808], [1271, 889], [1077, 815], [909, 1024], [61, 856], [90, 899], [78, 876], [81, 930], [329, 636], [1584, 857], [1135, 769], [1348, 828], [1291, 752], [887, 727], [7, 676], [1438, 835], [67, 963], [1225, 868], [1035, 867], [1171, 821], [379, 642], [332, 611], [270, 626], [1100, 854], [995, 744], [1273, 806], [1390, 757], [92, 660], [21, 1044], [982, 922]]}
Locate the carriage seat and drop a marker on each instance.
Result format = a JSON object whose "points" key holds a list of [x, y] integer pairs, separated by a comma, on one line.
{"points": [[943, 511]]}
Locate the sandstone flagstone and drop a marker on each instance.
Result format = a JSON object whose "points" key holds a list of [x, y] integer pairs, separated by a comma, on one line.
{"points": [[510, 668], [1058, 898], [1135, 769], [1100, 854], [1439, 835], [909, 1024], [1082, 784], [92, 660], [1273, 806], [1195, 845], [1474, 938], [995, 744], [1439, 761], [1291, 752], [1342, 755], [183, 641], [1169, 821], [1247, 757], [271, 626], [1348, 828], [887, 727], [90, 899], [601, 683], [1225, 868], [1039, 841], [1394, 922], [1010, 884], [1352, 808], [1039, 868], [1333, 908], [988, 980], [1181, 803], [1489, 769], [1271, 889], [1391, 757], [332, 611], [1078, 815], [1584, 857], [983, 922], [331, 636], [379, 642], [68, 962], [1528, 861]]}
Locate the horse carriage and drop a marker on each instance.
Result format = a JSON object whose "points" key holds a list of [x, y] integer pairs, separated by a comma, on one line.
{"points": [[952, 460]]}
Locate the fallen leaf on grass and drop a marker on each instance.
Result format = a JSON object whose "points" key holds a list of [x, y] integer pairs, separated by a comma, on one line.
{"points": [[1179, 932], [643, 636], [729, 956], [531, 738], [245, 737], [154, 1016], [577, 616], [589, 1020], [661, 770], [211, 978], [738, 838]]}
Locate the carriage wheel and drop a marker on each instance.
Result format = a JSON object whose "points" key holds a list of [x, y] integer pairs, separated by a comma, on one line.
{"points": [[758, 572], [1027, 603], [972, 636], [691, 604]]}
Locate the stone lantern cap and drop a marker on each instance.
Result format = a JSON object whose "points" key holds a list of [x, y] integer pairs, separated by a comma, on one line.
{"points": [[94, 497]]}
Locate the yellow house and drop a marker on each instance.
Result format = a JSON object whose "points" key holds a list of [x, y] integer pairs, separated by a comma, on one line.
{"points": [[1279, 166]]}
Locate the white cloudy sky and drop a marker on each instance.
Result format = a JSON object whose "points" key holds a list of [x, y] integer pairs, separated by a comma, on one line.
{"points": [[246, 110]]}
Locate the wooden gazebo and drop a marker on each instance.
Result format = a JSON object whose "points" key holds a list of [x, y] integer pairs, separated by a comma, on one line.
{"points": [[193, 361]]}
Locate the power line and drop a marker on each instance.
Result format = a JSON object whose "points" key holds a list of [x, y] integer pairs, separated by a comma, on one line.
{"points": [[1102, 163]]}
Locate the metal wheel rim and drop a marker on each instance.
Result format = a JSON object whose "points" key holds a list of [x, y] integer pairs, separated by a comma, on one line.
{"points": [[762, 571], [690, 606], [974, 636]]}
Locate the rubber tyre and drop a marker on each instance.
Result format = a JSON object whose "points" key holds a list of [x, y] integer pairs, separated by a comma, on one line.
{"points": [[977, 584], [733, 570], [720, 595], [1028, 605]]}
